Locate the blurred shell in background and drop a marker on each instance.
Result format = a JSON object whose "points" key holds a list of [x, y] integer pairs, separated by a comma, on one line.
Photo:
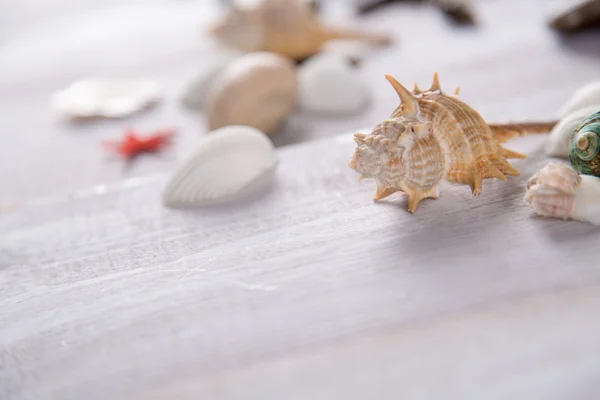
{"points": [[329, 84], [579, 16], [287, 27], [195, 90], [225, 163], [258, 90], [103, 97]]}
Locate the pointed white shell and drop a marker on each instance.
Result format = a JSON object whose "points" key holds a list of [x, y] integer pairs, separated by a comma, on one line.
{"points": [[558, 191], [258, 89], [195, 91], [224, 163], [558, 141], [587, 95], [330, 85], [109, 98]]}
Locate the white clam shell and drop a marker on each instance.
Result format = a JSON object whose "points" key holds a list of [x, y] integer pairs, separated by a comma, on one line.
{"points": [[330, 85], [258, 90], [109, 98], [558, 141], [587, 95], [225, 163], [195, 91]]}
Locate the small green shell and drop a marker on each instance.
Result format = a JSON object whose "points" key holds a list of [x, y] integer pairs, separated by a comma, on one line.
{"points": [[584, 146]]}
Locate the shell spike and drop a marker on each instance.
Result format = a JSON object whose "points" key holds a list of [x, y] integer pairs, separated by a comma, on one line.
{"points": [[493, 172], [457, 91], [383, 192], [410, 107], [415, 197], [436, 83], [416, 89], [510, 154], [422, 129], [359, 138]]}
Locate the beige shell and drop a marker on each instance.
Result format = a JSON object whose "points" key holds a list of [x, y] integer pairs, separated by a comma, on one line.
{"points": [[287, 27], [258, 90], [433, 136], [551, 191], [558, 191]]}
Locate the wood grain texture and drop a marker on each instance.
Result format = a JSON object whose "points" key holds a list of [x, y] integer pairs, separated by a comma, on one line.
{"points": [[306, 289], [112, 296]]}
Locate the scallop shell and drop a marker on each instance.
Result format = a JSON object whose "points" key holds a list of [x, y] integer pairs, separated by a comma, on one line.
{"points": [[558, 191], [558, 142], [433, 136], [258, 89], [109, 98], [287, 27], [586, 96], [223, 165], [329, 85]]}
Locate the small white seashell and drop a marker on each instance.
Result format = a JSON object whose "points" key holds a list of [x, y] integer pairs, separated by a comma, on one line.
{"points": [[558, 142], [354, 52], [194, 94], [109, 98], [558, 191], [330, 85], [587, 95], [225, 163], [258, 90]]}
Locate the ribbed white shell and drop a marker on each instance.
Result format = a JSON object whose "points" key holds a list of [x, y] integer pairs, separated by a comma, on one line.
{"points": [[225, 162]]}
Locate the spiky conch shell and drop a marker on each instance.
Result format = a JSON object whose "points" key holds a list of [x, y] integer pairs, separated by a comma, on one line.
{"points": [[429, 137], [287, 27]]}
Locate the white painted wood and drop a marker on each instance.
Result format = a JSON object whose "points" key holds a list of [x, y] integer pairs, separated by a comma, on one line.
{"points": [[308, 289], [110, 295]]}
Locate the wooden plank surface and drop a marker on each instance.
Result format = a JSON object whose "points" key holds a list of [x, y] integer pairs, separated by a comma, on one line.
{"points": [[307, 289]]}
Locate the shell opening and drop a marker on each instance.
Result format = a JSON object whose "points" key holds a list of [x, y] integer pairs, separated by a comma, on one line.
{"points": [[586, 145], [582, 143]]}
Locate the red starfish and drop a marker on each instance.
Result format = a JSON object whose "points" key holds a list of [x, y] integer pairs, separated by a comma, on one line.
{"points": [[132, 144]]}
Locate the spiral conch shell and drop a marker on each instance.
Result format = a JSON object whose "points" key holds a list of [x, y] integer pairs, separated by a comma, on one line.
{"points": [[433, 136], [287, 27], [584, 146], [258, 90]]}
